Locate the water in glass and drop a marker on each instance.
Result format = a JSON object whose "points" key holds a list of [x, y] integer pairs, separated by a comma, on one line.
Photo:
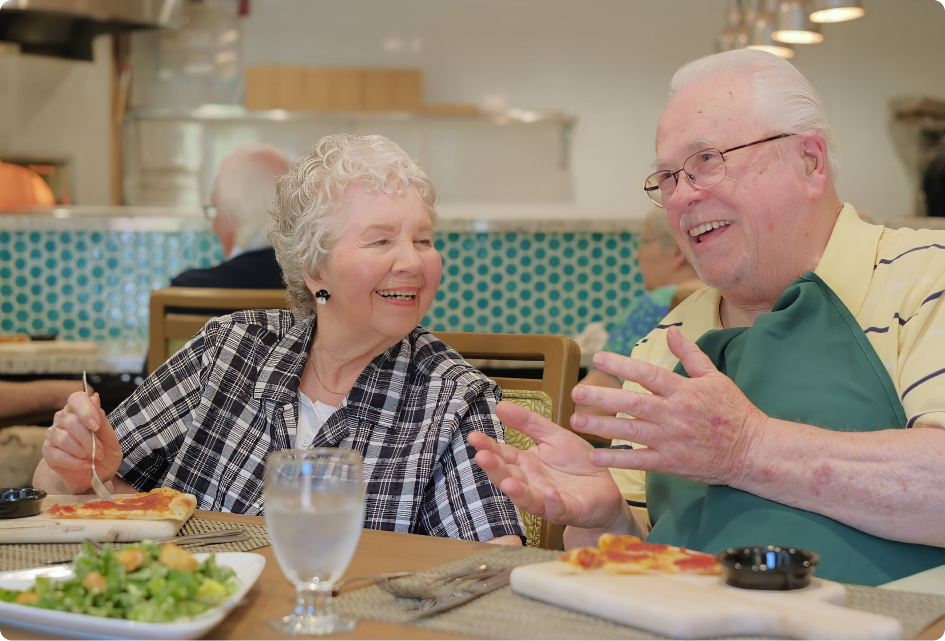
{"points": [[314, 513]]}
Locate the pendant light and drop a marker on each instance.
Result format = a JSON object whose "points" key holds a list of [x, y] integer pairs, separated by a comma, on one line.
{"points": [[735, 35], [836, 10], [761, 38], [794, 26]]}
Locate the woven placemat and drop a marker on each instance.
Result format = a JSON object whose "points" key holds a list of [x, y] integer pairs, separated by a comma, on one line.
{"points": [[502, 614], [18, 556]]}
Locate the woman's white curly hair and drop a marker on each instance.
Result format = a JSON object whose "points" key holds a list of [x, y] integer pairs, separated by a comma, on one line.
{"points": [[311, 202]]}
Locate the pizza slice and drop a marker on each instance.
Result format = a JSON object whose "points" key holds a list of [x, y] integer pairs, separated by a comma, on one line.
{"points": [[625, 554], [161, 503]]}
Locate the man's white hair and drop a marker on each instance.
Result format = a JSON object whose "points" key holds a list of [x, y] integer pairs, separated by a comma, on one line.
{"points": [[784, 98], [244, 189], [311, 201]]}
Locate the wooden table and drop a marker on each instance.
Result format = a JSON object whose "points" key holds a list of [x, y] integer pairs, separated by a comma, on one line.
{"points": [[377, 551], [273, 595]]}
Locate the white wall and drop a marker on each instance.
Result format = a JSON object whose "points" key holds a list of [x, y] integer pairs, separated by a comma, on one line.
{"points": [[609, 62], [606, 61], [53, 108]]}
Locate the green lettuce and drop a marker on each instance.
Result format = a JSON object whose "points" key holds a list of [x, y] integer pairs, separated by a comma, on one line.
{"points": [[152, 593]]}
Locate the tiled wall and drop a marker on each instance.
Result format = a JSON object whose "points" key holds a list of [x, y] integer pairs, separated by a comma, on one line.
{"points": [[95, 285], [541, 283]]}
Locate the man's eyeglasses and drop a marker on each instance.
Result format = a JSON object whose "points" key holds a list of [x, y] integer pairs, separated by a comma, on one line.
{"points": [[703, 169]]}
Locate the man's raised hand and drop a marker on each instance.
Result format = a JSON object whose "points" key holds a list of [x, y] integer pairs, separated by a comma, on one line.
{"points": [[700, 428], [553, 479]]}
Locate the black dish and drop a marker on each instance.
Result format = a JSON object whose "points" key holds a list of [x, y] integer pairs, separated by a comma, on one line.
{"points": [[19, 502], [767, 567]]}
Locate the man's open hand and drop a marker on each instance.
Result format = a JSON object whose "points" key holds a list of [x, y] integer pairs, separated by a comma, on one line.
{"points": [[700, 428]]}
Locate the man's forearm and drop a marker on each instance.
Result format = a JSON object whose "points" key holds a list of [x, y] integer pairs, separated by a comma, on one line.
{"points": [[886, 483], [20, 399], [627, 523]]}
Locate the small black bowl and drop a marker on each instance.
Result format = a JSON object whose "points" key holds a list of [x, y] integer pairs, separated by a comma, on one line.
{"points": [[20, 501], [767, 567]]}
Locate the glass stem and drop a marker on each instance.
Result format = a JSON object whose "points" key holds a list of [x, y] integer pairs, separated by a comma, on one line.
{"points": [[313, 600]]}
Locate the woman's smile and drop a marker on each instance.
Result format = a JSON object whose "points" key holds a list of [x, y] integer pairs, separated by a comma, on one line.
{"points": [[399, 297]]}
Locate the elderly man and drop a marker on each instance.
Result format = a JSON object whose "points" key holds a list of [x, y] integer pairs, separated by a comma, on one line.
{"points": [[243, 191], [810, 411]]}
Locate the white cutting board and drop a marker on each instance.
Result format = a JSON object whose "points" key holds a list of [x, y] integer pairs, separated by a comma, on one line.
{"points": [[44, 528], [694, 606]]}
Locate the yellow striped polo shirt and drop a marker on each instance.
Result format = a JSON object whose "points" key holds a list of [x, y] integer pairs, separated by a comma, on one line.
{"points": [[891, 280]]}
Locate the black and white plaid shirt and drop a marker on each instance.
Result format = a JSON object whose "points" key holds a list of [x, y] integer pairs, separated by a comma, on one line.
{"points": [[204, 422]]}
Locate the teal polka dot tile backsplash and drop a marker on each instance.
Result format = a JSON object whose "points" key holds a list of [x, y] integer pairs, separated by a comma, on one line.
{"points": [[533, 283], [95, 285]]}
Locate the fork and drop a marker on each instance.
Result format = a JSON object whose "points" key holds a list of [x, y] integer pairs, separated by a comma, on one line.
{"points": [[429, 607], [373, 578], [97, 484]]}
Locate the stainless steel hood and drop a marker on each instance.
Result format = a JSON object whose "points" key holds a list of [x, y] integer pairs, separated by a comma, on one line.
{"points": [[66, 28]]}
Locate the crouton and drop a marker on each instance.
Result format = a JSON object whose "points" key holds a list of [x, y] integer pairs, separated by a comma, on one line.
{"points": [[177, 558], [132, 558]]}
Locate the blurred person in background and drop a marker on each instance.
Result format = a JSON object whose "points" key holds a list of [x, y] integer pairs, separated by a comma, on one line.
{"points": [[933, 184], [668, 279], [243, 192], [35, 397], [349, 367], [20, 187]]}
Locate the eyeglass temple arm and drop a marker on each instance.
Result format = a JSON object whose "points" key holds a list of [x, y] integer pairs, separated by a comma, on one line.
{"points": [[757, 142]]}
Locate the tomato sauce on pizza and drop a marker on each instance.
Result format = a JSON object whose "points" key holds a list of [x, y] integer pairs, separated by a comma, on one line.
{"points": [[158, 504], [624, 554]]}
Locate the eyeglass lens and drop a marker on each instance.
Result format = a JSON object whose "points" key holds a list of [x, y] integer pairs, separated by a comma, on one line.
{"points": [[703, 169]]}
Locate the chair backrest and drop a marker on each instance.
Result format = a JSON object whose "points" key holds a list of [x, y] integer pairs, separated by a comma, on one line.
{"points": [[539, 532], [180, 323], [561, 355]]}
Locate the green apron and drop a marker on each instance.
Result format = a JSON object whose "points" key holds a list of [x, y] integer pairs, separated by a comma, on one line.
{"points": [[808, 361]]}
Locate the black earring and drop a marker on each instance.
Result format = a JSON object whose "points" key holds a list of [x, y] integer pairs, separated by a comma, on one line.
{"points": [[322, 296]]}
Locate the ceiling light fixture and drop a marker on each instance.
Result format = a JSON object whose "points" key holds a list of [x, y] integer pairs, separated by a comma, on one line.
{"points": [[794, 26], [734, 35], [836, 10], [761, 37]]}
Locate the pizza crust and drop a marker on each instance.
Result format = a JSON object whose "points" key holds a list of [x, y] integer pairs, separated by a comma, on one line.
{"points": [[164, 504]]}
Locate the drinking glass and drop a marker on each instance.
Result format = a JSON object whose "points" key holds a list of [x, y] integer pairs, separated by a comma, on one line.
{"points": [[314, 513]]}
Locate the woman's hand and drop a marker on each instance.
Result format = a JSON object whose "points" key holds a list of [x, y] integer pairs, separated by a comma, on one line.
{"points": [[68, 446], [553, 479]]}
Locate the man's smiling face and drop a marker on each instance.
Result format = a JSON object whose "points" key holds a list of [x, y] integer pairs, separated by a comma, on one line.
{"points": [[739, 234]]}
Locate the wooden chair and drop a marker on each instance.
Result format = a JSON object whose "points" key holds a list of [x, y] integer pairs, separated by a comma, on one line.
{"points": [[561, 357], [170, 328]]}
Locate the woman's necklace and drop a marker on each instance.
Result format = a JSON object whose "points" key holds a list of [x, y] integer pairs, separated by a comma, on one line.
{"points": [[327, 389]]}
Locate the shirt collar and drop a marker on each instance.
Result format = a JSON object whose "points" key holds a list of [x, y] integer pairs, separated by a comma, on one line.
{"points": [[848, 261], [281, 372]]}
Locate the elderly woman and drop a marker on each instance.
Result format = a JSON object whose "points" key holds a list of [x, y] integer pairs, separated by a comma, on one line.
{"points": [[348, 367]]}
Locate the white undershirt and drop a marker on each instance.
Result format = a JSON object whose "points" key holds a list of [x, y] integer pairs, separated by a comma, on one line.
{"points": [[312, 416]]}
